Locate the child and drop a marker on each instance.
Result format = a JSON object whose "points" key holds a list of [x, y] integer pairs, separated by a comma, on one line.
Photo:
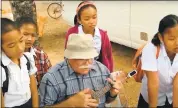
{"points": [[18, 83], [85, 22], [28, 29], [160, 84]]}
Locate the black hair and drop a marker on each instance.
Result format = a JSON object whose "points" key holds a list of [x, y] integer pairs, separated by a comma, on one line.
{"points": [[7, 25], [168, 21], [80, 10], [25, 20]]}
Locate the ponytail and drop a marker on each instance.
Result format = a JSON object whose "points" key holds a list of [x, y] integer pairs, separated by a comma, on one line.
{"points": [[156, 40], [76, 21], [168, 21]]}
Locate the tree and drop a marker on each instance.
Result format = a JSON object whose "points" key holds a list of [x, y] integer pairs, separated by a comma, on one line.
{"points": [[24, 8]]}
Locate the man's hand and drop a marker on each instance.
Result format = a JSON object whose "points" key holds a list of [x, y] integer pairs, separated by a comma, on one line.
{"points": [[83, 99], [119, 75], [116, 86]]}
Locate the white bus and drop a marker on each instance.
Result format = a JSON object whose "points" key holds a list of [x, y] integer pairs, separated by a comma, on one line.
{"points": [[129, 23]]}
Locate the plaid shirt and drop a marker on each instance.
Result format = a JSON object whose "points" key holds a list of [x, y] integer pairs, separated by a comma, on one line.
{"points": [[62, 82], [42, 62]]}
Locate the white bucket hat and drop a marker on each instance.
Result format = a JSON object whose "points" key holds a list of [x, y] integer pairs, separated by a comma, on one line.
{"points": [[80, 46]]}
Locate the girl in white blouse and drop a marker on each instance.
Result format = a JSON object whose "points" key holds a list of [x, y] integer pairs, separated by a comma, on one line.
{"points": [[160, 84], [21, 90]]}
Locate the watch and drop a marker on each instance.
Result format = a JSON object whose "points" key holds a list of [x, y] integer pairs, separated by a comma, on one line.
{"points": [[112, 96]]}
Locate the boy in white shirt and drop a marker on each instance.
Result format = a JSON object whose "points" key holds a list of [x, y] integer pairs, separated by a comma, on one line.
{"points": [[18, 83]]}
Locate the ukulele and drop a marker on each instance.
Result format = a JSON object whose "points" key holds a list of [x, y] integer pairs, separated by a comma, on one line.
{"points": [[97, 94]]}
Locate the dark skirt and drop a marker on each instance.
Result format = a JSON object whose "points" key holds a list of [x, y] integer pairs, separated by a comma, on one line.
{"points": [[26, 105], [143, 104]]}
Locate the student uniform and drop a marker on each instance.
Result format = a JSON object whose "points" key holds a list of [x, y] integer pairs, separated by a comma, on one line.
{"points": [[42, 62], [166, 71], [19, 91]]}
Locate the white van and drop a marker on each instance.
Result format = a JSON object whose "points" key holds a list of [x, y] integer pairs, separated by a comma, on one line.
{"points": [[129, 23]]}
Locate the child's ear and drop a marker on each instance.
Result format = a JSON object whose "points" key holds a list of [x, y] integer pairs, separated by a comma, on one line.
{"points": [[160, 37]]}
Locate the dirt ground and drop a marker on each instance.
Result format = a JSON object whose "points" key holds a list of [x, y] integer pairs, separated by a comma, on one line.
{"points": [[53, 44]]}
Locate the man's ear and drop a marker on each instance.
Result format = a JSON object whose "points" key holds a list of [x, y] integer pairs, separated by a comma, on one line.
{"points": [[160, 37]]}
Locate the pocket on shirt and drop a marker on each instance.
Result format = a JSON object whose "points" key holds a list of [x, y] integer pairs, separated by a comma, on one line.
{"points": [[12, 86]]}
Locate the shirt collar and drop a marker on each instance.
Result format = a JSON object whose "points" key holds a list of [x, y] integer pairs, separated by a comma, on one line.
{"points": [[176, 57], [97, 32], [164, 50], [71, 71], [32, 51], [5, 60], [165, 53]]}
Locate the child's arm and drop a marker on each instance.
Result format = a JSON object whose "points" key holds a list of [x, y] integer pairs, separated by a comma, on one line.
{"points": [[33, 85], [153, 87], [34, 91], [175, 91], [2, 100]]}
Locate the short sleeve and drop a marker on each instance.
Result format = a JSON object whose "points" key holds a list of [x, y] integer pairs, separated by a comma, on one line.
{"points": [[33, 68], [2, 76], [173, 74], [148, 59]]}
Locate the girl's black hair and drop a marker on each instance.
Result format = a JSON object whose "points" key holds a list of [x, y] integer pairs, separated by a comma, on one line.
{"points": [[80, 10], [7, 25], [168, 21], [25, 20]]}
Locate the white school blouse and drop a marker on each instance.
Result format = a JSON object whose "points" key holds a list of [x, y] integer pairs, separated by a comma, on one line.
{"points": [[19, 81], [166, 72]]}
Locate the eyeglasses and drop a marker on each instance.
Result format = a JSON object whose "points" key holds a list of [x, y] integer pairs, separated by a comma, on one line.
{"points": [[84, 61]]}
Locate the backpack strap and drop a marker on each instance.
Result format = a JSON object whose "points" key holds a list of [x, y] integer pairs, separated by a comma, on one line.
{"points": [[136, 60], [136, 63], [28, 62], [6, 82]]}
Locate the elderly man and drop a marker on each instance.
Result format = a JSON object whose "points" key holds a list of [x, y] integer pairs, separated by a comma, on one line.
{"points": [[72, 82]]}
